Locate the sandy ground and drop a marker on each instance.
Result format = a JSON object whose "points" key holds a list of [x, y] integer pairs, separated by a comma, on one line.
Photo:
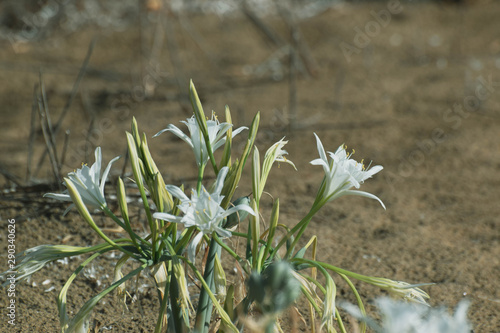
{"points": [[418, 95]]}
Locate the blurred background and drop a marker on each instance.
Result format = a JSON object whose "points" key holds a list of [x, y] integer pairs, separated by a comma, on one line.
{"points": [[410, 85]]}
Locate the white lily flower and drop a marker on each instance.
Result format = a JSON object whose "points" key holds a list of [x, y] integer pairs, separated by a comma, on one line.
{"points": [[403, 317], [88, 183], [203, 211], [342, 173], [276, 153], [216, 134]]}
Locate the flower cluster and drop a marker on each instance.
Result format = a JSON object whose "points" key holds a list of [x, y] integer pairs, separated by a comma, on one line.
{"points": [[277, 265]]}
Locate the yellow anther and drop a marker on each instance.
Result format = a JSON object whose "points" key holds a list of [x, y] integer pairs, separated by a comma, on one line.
{"points": [[197, 213], [204, 210]]}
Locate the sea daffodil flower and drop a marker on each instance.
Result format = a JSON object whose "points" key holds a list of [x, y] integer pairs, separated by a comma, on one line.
{"points": [[202, 211], [276, 153], [88, 183], [216, 134], [341, 174], [403, 317]]}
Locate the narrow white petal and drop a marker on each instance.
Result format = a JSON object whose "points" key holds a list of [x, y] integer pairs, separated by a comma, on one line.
{"points": [[323, 163], [223, 232], [168, 217], [68, 209], [105, 175], [176, 192], [238, 208], [95, 169], [221, 131], [220, 180], [321, 150], [192, 247], [238, 131], [373, 170], [180, 134], [363, 194], [218, 144], [57, 196]]}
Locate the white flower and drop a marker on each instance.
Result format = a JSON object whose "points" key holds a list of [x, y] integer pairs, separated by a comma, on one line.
{"points": [[277, 153], [88, 183], [402, 317], [216, 134], [342, 173], [203, 211]]}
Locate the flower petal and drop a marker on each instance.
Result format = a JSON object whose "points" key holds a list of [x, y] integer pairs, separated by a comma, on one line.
{"points": [[221, 131], [192, 247], [180, 134], [105, 175], [238, 131], [321, 150], [176, 192], [363, 194], [219, 183], [95, 169], [238, 208], [57, 196], [168, 217]]}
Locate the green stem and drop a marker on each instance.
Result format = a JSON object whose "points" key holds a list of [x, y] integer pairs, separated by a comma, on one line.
{"points": [[242, 262], [339, 321], [204, 311], [302, 226], [223, 314], [127, 228], [358, 299], [201, 169]]}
